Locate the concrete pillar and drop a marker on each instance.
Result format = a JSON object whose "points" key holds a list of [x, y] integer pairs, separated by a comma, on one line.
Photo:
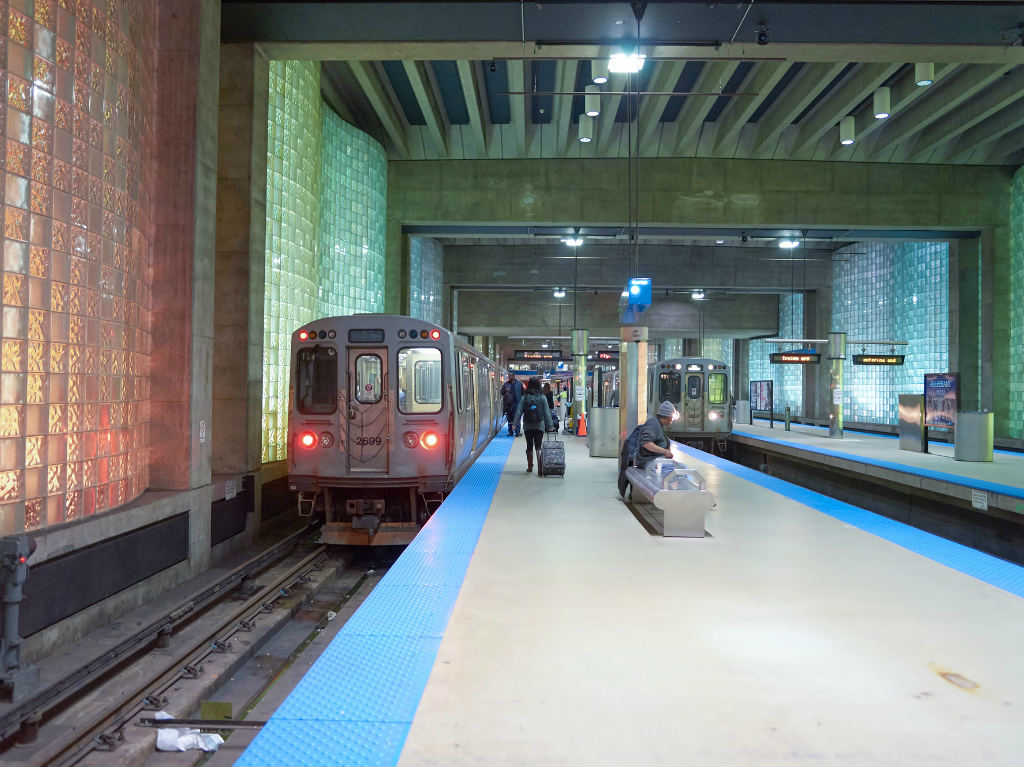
{"points": [[741, 368], [632, 379], [580, 342], [836, 356], [241, 253]]}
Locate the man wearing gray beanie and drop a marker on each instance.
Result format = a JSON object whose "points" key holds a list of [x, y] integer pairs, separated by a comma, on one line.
{"points": [[652, 439]]}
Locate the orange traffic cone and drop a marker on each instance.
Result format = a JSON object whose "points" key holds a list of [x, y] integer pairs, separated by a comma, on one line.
{"points": [[582, 431]]}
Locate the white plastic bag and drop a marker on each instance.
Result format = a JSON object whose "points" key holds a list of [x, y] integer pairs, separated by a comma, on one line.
{"points": [[171, 739]]}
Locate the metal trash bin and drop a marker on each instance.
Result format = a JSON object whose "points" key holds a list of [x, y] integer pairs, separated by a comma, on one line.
{"points": [[975, 432], [603, 432], [913, 435]]}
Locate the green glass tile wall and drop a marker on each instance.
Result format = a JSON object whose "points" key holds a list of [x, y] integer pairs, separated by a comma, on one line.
{"points": [[788, 386], [1016, 404], [350, 262], [426, 276], [673, 347], [718, 348], [896, 291]]}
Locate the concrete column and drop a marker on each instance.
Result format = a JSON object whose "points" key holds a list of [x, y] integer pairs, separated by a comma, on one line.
{"points": [[741, 368], [580, 343], [632, 379], [241, 255]]}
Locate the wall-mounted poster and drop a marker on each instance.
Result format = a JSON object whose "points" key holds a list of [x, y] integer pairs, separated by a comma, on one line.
{"points": [[941, 395], [761, 396]]}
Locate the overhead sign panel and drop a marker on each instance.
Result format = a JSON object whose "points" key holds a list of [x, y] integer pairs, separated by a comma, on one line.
{"points": [[878, 359], [538, 354], [794, 358]]}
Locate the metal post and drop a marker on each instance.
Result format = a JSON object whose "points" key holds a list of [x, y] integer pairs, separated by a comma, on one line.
{"points": [[15, 680], [580, 342], [836, 353], [787, 417], [632, 379]]}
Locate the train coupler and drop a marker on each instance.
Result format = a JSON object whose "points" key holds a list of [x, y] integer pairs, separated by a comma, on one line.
{"points": [[365, 513], [307, 503]]}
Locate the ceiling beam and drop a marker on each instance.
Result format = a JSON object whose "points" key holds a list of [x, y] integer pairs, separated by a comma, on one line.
{"points": [[938, 102], [1010, 146], [518, 107], [666, 75], [860, 84], [713, 77], [469, 78], [1007, 121], [791, 102], [760, 81], [422, 87], [565, 83], [1007, 90], [380, 100]]}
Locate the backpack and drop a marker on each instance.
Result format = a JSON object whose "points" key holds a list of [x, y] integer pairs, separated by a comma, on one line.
{"points": [[632, 445], [533, 409]]}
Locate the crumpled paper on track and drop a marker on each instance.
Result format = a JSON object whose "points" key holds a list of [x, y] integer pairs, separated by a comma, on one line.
{"points": [[171, 739]]}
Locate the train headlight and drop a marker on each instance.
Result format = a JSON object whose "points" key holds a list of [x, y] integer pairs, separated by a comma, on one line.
{"points": [[326, 439], [430, 440], [410, 438], [714, 415], [307, 439]]}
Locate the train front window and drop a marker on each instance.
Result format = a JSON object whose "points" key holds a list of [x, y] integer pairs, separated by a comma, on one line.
{"points": [[716, 388], [694, 386], [670, 386], [368, 379], [316, 380], [419, 380]]}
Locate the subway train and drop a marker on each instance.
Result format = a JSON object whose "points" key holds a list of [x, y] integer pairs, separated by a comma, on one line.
{"points": [[385, 415], [699, 388]]}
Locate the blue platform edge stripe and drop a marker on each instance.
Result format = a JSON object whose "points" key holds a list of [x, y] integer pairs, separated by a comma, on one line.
{"points": [[992, 570], [955, 479], [356, 703]]}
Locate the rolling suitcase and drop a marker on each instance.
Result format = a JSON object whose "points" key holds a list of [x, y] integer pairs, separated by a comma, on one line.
{"points": [[552, 457]]}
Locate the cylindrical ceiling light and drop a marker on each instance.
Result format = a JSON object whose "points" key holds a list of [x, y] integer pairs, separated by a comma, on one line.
{"points": [[847, 130], [586, 129], [592, 101], [882, 103], [924, 74], [599, 71]]}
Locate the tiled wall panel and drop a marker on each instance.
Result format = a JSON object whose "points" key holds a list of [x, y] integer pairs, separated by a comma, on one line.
{"points": [[77, 114], [718, 348], [426, 277], [1016, 387], [788, 380], [891, 291]]}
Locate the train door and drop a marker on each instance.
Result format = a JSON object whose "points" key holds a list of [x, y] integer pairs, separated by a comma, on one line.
{"points": [[693, 404], [369, 430], [670, 385], [484, 401], [467, 413]]}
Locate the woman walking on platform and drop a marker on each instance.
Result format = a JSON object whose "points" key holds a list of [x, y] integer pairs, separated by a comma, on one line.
{"points": [[536, 414]]}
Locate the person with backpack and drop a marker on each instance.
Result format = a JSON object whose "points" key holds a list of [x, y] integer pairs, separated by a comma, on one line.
{"points": [[536, 415], [511, 392]]}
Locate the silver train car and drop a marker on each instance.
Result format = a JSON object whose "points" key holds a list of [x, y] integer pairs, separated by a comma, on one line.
{"points": [[699, 388], [385, 414]]}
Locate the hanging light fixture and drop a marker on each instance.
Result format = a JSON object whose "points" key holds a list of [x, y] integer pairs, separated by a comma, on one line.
{"points": [[626, 63], [847, 130], [592, 101], [573, 242], [924, 74], [558, 293], [599, 71], [789, 244], [586, 129], [882, 103]]}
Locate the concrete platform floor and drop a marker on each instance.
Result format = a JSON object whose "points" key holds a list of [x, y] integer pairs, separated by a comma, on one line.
{"points": [[787, 637]]}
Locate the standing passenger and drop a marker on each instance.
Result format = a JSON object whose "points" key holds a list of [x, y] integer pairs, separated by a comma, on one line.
{"points": [[563, 398], [511, 391], [533, 408]]}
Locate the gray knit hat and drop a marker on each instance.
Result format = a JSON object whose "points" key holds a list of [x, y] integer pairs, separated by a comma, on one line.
{"points": [[667, 410]]}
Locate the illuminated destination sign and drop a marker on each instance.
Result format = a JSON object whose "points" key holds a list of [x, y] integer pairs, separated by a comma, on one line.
{"points": [[794, 358], [607, 355], [878, 359], [537, 354]]}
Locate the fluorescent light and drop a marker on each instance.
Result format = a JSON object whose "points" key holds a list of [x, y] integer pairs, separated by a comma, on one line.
{"points": [[559, 293], [882, 103], [719, 242], [586, 132], [924, 74], [697, 295], [626, 63], [544, 346], [847, 130], [572, 242], [599, 71], [592, 101], [789, 244]]}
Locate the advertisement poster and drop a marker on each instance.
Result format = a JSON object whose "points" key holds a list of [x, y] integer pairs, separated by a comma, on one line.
{"points": [[761, 396], [941, 391]]}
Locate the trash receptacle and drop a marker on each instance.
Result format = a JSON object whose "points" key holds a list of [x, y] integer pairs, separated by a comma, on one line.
{"points": [[974, 436]]}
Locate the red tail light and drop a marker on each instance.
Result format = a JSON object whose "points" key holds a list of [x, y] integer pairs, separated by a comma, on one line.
{"points": [[307, 439], [435, 334], [430, 440], [303, 335]]}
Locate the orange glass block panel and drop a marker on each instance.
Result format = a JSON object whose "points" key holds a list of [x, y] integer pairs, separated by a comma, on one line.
{"points": [[91, 475], [74, 299], [40, 199], [55, 478], [42, 135], [73, 505], [19, 93], [10, 485], [33, 513], [17, 158], [18, 26], [74, 418], [74, 445], [37, 324], [38, 261], [76, 330], [13, 356], [41, 167], [14, 289], [44, 13], [36, 357], [33, 451], [57, 357], [58, 297], [10, 420], [43, 73], [63, 54], [34, 389], [15, 224], [56, 420], [60, 237], [75, 359], [62, 175]]}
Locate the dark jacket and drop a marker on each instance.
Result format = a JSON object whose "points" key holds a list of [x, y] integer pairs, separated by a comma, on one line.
{"points": [[650, 431], [511, 393], [535, 412]]}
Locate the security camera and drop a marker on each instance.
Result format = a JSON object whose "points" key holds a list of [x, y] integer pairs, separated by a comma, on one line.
{"points": [[762, 35], [744, 237]]}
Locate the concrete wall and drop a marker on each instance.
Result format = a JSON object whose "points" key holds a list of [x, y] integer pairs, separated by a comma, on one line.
{"points": [[719, 192]]}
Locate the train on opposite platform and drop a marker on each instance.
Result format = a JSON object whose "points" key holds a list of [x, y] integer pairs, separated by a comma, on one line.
{"points": [[699, 388], [386, 413]]}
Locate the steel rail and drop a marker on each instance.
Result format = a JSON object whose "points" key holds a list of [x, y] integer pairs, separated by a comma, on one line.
{"points": [[104, 731]]}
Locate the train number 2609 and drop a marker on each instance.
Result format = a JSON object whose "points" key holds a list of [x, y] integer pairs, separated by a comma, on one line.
{"points": [[368, 440]]}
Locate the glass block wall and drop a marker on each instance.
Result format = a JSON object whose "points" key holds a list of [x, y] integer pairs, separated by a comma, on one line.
{"points": [[1016, 405], [896, 291], [718, 348], [326, 200], [788, 380], [350, 263], [77, 114], [426, 277], [672, 347]]}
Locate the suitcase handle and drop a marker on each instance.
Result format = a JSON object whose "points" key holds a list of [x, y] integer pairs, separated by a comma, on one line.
{"points": [[551, 436]]}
